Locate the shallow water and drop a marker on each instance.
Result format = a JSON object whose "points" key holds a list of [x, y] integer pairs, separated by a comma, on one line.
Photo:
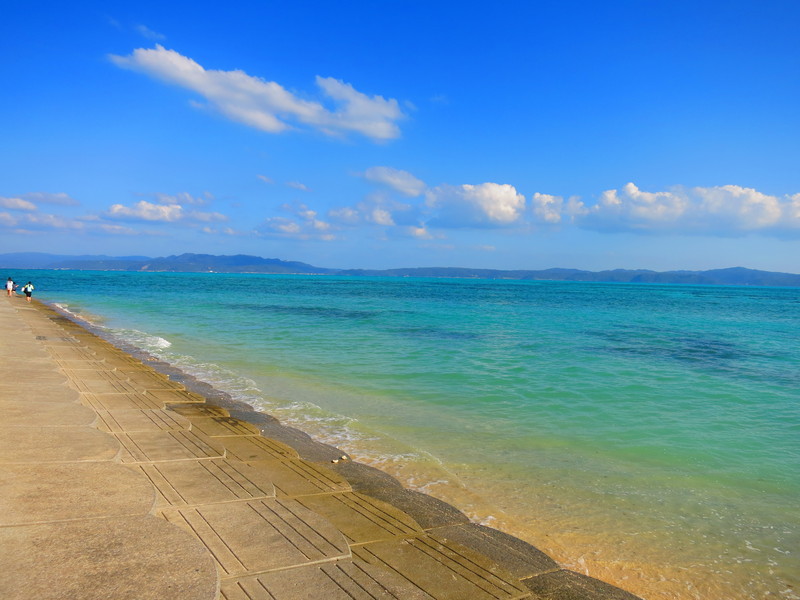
{"points": [[646, 435]]}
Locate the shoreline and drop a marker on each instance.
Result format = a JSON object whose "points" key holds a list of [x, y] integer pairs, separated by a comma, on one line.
{"points": [[430, 512]]}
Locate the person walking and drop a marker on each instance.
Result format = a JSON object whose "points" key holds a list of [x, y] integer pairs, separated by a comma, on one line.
{"points": [[27, 289], [10, 287]]}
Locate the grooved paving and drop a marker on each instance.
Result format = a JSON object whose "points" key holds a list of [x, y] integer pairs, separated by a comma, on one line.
{"points": [[206, 482], [119, 421], [155, 446], [444, 569], [342, 580], [261, 535], [248, 449], [362, 519]]}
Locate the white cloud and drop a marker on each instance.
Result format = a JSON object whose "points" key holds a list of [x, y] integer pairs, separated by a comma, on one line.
{"points": [[147, 211], [184, 198], [483, 205], [7, 220], [298, 186], [636, 209], [420, 233], [266, 105], [373, 116], [45, 221], [345, 215], [116, 229], [720, 210], [148, 33], [745, 209], [46, 198], [381, 216], [164, 213], [16, 204], [303, 225], [377, 209], [401, 181], [547, 208], [265, 179]]}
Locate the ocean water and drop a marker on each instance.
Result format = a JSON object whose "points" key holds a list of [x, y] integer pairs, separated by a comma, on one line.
{"points": [[648, 435]]}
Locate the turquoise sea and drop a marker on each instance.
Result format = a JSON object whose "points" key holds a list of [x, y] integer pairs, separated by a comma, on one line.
{"points": [[648, 435]]}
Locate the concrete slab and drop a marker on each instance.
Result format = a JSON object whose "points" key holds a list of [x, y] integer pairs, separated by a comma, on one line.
{"points": [[156, 446], [132, 558], [42, 393], [120, 421], [518, 557], [128, 401], [117, 359], [35, 361], [155, 381], [567, 585], [362, 519], [71, 353], [426, 510], [248, 449], [191, 411], [188, 483], [445, 570], [26, 387], [14, 363], [39, 493], [78, 365], [261, 535], [342, 580], [48, 341], [38, 375], [102, 374], [100, 386], [298, 477], [175, 397], [24, 413], [55, 444], [224, 427]]}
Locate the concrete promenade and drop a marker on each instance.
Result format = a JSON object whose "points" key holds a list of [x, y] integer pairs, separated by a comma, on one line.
{"points": [[116, 482]]}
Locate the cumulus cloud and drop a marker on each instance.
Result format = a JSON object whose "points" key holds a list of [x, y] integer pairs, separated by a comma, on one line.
{"points": [[727, 209], [720, 210], [304, 224], [554, 209], [164, 213], [377, 209], [483, 205], [401, 181], [267, 105]]}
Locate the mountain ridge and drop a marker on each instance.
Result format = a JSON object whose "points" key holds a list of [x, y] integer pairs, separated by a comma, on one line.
{"points": [[243, 263]]}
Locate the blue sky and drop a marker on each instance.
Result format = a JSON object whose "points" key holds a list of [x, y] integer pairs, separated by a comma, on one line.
{"points": [[619, 134]]}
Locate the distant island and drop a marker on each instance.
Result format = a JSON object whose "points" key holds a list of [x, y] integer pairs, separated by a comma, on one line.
{"points": [[241, 263]]}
